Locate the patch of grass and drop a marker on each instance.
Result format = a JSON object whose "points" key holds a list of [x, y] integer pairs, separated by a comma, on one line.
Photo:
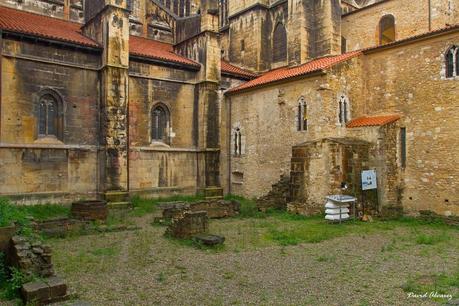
{"points": [[248, 207], [438, 283], [110, 251], [46, 211], [161, 277], [22, 215], [144, 206], [326, 258], [427, 239]]}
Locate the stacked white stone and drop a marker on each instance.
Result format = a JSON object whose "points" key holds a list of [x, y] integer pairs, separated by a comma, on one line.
{"points": [[337, 207]]}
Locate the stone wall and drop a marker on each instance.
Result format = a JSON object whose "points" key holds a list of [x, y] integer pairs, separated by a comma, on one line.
{"points": [[408, 80], [46, 167], [361, 27]]}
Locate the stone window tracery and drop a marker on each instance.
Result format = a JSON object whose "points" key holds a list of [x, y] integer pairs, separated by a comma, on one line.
{"points": [[48, 114], [302, 115], [237, 142], [160, 122], [452, 62]]}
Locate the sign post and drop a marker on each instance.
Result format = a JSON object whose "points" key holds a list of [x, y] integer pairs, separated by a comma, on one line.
{"points": [[369, 182]]}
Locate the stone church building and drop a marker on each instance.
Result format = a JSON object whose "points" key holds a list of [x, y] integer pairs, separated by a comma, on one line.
{"points": [[115, 98]]}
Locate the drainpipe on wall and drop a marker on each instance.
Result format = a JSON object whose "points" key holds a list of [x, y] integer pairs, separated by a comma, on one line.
{"points": [[430, 14], [230, 123]]}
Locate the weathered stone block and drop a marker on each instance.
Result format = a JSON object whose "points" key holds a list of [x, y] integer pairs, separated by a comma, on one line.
{"points": [[188, 225], [90, 210], [6, 233], [210, 240], [45, 291]]}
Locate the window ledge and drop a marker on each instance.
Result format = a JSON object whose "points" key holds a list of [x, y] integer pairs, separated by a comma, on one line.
{"points": [[48, 140], [159, 144]]}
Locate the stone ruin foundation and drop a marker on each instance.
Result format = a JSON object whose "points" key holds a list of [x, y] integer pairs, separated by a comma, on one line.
{"points": [[277, 197], [33, 258], [215, 209]]}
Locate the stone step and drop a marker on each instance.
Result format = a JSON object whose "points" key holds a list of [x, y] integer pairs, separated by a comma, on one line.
{"points": [[214, 198], [45, 291], [116, 196], [213, 192], [119, 205]]}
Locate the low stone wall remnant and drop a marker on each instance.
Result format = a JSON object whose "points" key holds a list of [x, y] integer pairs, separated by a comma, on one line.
{"points": [[188, 224]]}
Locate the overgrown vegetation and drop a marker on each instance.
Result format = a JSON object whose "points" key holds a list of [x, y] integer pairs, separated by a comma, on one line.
{"points": [[11, 280], [21, 215]]}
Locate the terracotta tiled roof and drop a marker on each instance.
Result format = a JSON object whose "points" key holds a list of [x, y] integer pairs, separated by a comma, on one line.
{"points": [[230, 69], [42, 26], [372, 121], [291, 72], [158, 50]]}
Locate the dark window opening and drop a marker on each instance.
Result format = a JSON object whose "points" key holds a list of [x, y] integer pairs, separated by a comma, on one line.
{"points": [[386, 29], [403, 147], [302, 116], [160, 124], [279, 43], [343, 115], [242, 45], [237, 142], [452, 62]]}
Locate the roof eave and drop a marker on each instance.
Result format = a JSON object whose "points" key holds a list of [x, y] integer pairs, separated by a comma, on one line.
{"points": [[164, 62], [52, 40], [277, 82]]}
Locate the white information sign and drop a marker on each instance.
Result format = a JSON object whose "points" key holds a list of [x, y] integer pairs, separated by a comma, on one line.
{"points": [[369, 180]]}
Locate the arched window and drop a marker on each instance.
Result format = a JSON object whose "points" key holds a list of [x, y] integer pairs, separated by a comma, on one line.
{"points": [[160, 123], [452, 62], [237, 141], [48, 115], [302, 115], [279, 43], [343, 116], [386, 29]]}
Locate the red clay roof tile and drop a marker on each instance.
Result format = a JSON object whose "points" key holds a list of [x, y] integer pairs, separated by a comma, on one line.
{"points": [[236, 71], [291, 72], [372, 121], [42, 26], [154, 49]]}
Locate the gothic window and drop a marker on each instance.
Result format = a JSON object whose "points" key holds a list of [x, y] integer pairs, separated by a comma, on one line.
{"points": [[343, 110], [386, 29], [160, 123], [302, 116], [279, 43], [237, 142], [48, 116], [452, 62]]}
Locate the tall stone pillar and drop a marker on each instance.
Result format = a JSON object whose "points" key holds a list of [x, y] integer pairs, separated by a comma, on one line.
{"points": [[208, 101], [107, 22]]}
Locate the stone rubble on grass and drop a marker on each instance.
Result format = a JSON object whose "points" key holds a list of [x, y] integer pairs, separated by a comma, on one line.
{"points": [[33, 258]]}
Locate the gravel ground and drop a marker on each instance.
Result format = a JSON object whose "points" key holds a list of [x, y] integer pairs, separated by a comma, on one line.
{"points": [[144, 268]]}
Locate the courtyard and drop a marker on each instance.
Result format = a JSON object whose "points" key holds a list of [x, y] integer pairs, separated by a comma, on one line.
{"points": [[267, 259]]}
